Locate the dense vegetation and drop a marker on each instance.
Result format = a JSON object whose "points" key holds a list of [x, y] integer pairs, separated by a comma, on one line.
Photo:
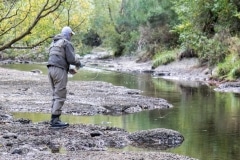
{"points": [[163, 30]]}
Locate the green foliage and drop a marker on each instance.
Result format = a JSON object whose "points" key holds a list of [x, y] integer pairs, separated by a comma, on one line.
{"points": [[141, 12], [152, 20], [27, 24], [235, 72], [130, 42], [230, 68], [211, 50], [207, 16], [164, 58], [223, 69], [117, 44], [206, 26], [118, 23], [103, 23], [124, 43]]}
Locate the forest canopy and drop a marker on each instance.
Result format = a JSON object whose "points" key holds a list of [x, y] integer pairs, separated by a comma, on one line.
{"points": [[162, 30]]}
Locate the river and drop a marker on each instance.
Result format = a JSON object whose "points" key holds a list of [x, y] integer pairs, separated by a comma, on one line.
{"points": [[208, 120]]}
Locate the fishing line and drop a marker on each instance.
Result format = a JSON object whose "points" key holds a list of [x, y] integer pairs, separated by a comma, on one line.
{"points": [[114, 71]]}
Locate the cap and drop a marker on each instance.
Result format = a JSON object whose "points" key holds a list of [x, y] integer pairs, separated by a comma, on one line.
{"points": [[67, 29]]}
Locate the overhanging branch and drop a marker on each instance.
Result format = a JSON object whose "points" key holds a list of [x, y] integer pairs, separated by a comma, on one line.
{"points": [[45, 10]]}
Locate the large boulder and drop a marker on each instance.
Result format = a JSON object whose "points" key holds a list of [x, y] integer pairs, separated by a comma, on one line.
{"points": [[160, 138]]}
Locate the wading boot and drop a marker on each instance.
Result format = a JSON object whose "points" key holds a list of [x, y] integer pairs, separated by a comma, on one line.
{"points": [[57, 123]]}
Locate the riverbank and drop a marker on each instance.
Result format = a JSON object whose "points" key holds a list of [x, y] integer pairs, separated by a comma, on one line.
{"points": [[30, 92], [185, 70]]}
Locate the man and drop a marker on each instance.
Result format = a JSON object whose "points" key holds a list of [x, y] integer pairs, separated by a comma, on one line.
{"points": [[61, 56]]}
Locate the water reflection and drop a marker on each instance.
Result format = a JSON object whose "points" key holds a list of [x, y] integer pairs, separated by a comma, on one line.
{"points": [[208, 120]]}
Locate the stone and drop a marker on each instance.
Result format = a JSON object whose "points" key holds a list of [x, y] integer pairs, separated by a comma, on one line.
{"points": [[159, 138]]}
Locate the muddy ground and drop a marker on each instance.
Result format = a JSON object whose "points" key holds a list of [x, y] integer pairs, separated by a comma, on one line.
{"points": [[30, 92]]}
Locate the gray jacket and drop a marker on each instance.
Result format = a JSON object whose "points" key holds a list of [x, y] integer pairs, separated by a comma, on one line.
{"points": [[61, 53]]}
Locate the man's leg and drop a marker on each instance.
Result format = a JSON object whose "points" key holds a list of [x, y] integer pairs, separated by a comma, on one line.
{"points": [[52, 85], [58, 78]]}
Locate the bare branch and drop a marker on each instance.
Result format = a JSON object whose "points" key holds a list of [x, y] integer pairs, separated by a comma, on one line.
{"points": [[52, 8], [33, 45], [49, 8]]}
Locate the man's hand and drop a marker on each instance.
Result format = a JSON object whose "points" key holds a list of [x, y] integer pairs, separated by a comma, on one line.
{"points": [[72, 71]]}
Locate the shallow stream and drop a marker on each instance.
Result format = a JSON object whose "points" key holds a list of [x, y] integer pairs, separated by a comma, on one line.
{"points": [[209, 120]]}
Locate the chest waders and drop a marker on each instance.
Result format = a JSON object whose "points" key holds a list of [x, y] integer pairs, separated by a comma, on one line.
{"points": [[58, 80]]}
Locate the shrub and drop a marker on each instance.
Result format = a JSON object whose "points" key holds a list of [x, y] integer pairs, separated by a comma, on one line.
{"points": [[92, 39]]}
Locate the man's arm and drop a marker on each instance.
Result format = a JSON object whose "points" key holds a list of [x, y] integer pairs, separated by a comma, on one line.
{"points": [[70, 54]]}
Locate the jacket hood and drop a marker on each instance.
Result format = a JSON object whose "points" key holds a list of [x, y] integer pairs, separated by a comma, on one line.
{"points": [[59, 36], [67, 32]]}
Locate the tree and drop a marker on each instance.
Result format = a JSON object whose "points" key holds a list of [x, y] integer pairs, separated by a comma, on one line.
{"points": [[120, 22], [20, 17], [206, 26], [152, 20]]}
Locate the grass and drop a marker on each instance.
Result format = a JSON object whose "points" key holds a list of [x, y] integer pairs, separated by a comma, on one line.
{"points": [[230, 68], [165, 57]]}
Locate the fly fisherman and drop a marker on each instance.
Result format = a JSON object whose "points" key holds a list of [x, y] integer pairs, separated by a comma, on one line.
{"points": [[61, 56]]}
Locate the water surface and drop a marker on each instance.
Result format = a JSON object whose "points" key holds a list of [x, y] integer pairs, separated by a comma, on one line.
{"points": [[208, 120]]}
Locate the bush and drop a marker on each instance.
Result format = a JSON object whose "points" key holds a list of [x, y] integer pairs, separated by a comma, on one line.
{"points": [[211, 50], [92, 39]]}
